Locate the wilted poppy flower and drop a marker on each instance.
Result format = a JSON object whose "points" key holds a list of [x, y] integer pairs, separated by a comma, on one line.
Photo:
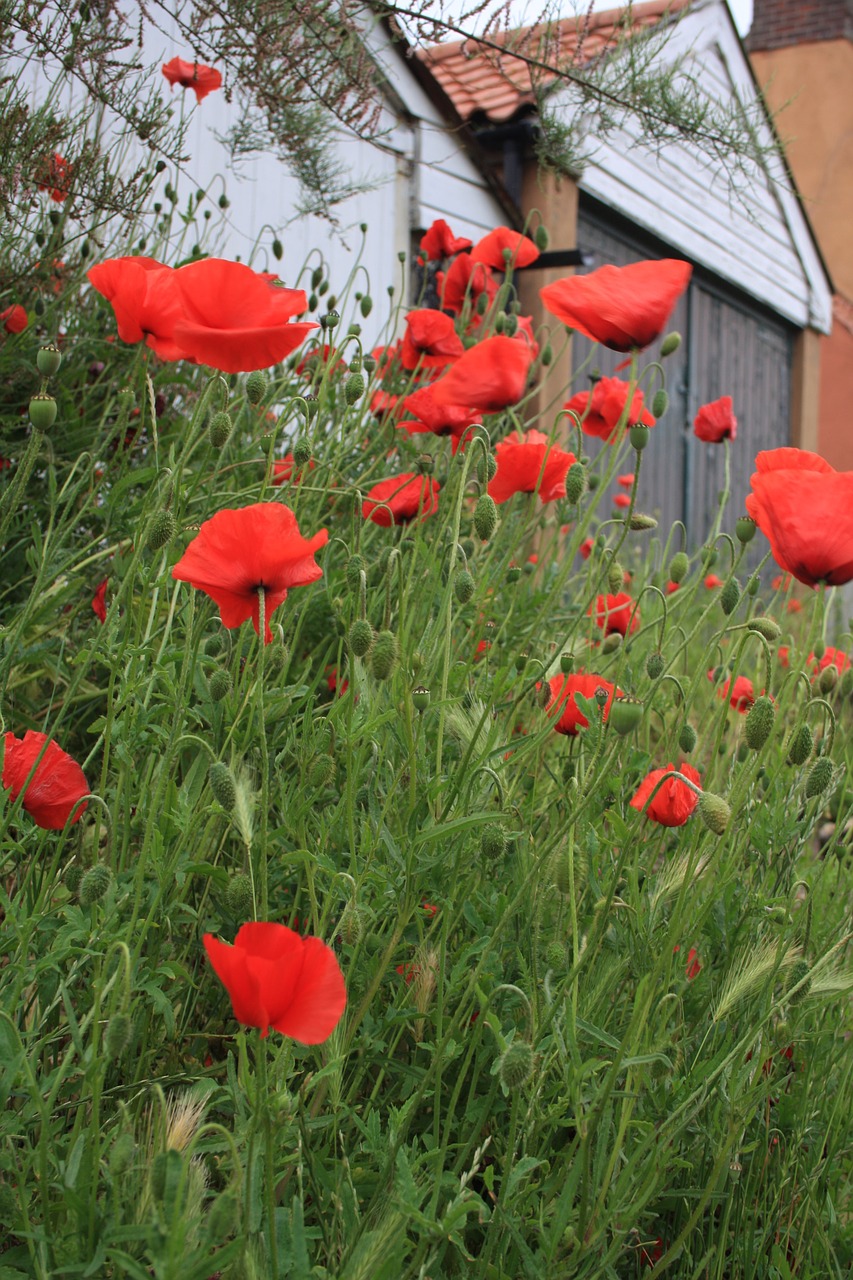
{"points": [[430, 340], [602, 408], [562, 701], [712, 582], [741, 694], [492, 249], [716, 421], [99, 601], [400, 499], [464, 279], [620, 307], [438, 419], [674, 801], [487, 377], [440, 242], [615, 614], [56, 174], [804, 507], [192, 75], [531, 465], [57, 785], [15, 319], [238, 552], [275, 978]]}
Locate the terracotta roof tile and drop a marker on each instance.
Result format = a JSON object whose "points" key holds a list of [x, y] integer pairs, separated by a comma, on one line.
{"points": [[496, 82]]}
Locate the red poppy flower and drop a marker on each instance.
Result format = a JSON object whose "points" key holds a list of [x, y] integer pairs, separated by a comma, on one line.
{"points": [[805, 509], [99, 601], [601, 409], [586, 547], [56, 174], [674, 801], [615, 614], [672, 587], [400, 499], [694, 968], [382, 403], [430, 340], [192, 75], [531, 465], [783, 652], [275, 978], [621, 500], [408, 970], [650, 1257], [626, 481], [319, 357], [57, 785], [794, 606], [239, 551], [620, 307], [712, 582], [562, 700], [332, 682], [283, 470], [782, 581], [492, 248], [429, 909], [741, 694], [464, 279], [716, 421], [438, 419], [832, 657], [440, 242], [15, 319], [488, 377]]}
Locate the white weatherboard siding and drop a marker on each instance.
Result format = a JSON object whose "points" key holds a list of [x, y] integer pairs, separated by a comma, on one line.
{"points": [[756, 238]]}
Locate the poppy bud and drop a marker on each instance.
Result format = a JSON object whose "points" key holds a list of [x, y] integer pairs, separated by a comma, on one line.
{"points": [[611, 643], [313, 302], [162, 530], [355, 565], [321, 772], [759, 722], [385, 655], [799, 974], [275, 659], [654, 666], [118, 1035], [48, 360], [555, 955], [463, 585], [277, 249], [671, 343], [625, 715], [222, 785], [121, 1154], [766, 627], [239, 898], [354, 388], [547, 355], [745, 529], [366, 305], [800, 745], [575, 482], [828, 679], [615, 576], [220, 430], [660, 403], [847, 683], [330, 320], [493, 841], [687, 738], [95, 884], [485, 517], [819, 778], [730, 596], [223, 1216], [302, 453], [352, 924], [742, 752], [73, 875], [256, 385], [42, 411], [541, 237], [500, 322], [360, 637], [678, 566], [515, 1064], [714, 812], [511, 325], [640, 523], [420, 697], [220, 685], [639, 435]]}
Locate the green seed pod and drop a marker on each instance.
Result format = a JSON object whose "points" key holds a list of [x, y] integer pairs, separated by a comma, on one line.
{"points": [[660, 403], [615, 576], [485, 517], [547, 356], [671, 343], [513, 573], [828, 678], [330, 320], [759, 722], [654, 666], [765, 627], [322, 772], [95, 884], [302, 452], [639, 436], [222, 785], [493, 841], [730, 596], [819, 778], [48, 360], [42, 411], [219, 431], [355, 565], [575, 482], [515, 1065], [121, 1154], [385, 655], [678, 566], [219, 685], [800, 745], [567, 663], [687, 738], [239, 898], [541, 237], [420, 697], [463, 585], [625, 715], [799, 974], [161, 531], [555, 956], [714, 812], [745, 529], [119, 1035], [354, 388], [360, 637]]}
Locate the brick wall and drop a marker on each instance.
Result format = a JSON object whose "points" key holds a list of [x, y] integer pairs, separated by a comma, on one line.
{"points": [[777, 23]]}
